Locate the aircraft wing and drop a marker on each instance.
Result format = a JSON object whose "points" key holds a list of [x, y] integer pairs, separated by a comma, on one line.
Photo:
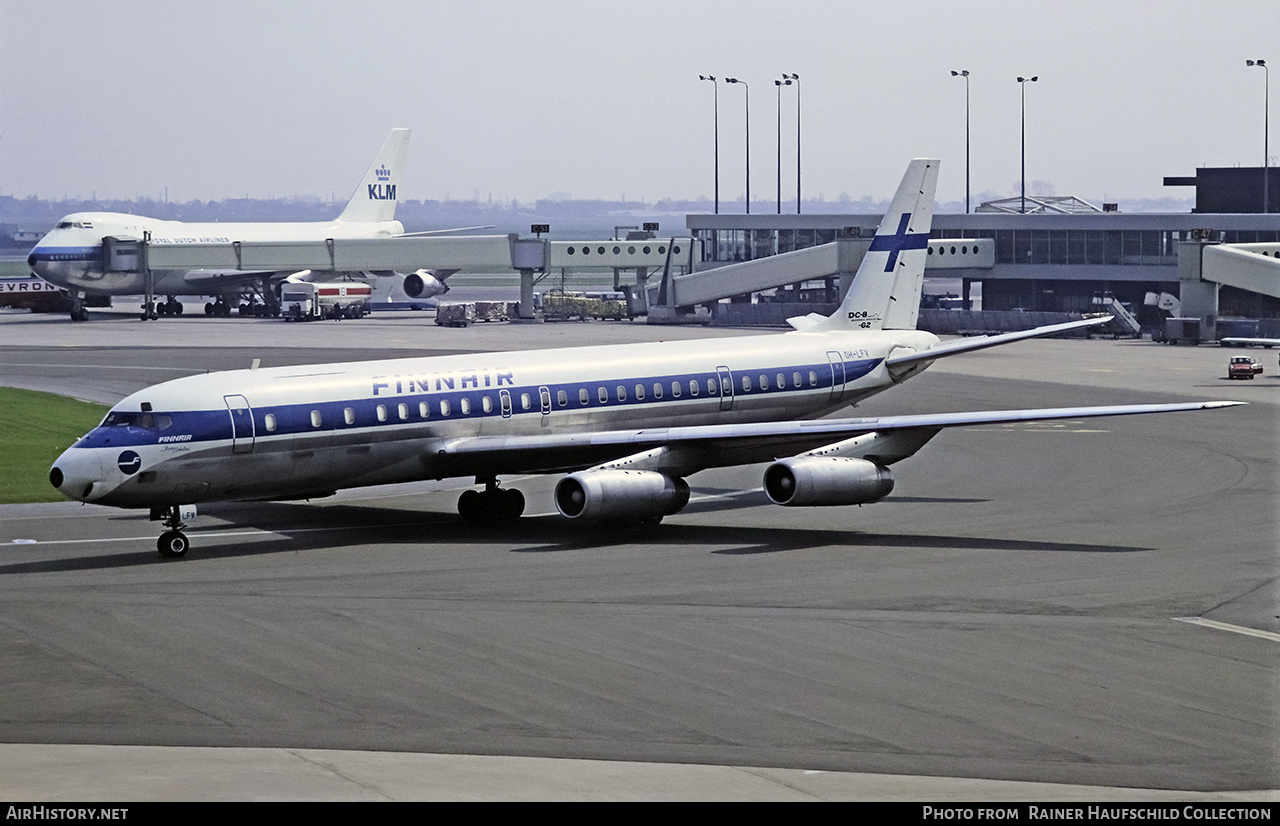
{"points": [[222, 279], [1236, 341], [217, 280], [730, 444]]}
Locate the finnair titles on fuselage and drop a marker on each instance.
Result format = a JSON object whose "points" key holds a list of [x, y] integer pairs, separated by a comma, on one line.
{"points": [[74, 257], [625, 424]]}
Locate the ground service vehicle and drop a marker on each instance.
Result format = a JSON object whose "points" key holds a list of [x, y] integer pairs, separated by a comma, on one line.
{"points": [[1243, 367], [306, 301]]}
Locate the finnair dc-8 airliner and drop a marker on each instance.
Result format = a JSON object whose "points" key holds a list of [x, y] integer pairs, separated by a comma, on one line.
{"points": [[624, 424]]}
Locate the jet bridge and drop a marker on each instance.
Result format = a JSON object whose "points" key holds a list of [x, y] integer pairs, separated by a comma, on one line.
{"points": [[450, 254], [840, 258], [477, 253], [1252, 267], [1205, 266]]}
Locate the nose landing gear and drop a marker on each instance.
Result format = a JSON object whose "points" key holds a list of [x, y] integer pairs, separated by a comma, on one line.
{"points": [[173, 543]]}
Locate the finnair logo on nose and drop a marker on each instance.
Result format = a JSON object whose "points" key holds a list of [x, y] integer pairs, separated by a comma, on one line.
{"points": [[129, 463]]}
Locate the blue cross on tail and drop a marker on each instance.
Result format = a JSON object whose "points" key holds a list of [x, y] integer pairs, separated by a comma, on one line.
{"points": [[899, 242]]}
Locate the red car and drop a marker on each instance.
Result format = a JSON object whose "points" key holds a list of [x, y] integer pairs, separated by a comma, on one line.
{"points": [[1243, 367]]}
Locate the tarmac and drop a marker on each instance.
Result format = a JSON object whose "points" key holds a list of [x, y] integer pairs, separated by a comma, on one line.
{"points": [[1038, 613]]}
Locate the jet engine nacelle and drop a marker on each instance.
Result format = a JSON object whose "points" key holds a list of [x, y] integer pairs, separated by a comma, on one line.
{"points": [[422, 284], [826, 480], [620, 494]]}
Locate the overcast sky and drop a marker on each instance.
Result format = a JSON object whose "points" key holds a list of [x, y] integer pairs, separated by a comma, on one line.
{"points": [[599, 99]]}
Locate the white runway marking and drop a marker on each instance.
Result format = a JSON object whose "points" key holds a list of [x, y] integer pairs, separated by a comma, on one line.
{"points": [[1237, 629]]}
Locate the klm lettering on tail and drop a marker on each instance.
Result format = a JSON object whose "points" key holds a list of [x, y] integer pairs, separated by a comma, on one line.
{"points": [[382, 192]]}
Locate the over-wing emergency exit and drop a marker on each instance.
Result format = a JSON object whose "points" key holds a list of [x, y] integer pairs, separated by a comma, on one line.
{"points": [[623, 425]]}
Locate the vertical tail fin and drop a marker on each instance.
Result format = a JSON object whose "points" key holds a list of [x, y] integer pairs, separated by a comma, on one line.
{"points": [[885, 293], [375, 197]]}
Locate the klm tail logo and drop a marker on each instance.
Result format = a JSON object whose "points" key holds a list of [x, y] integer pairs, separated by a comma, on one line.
{"points": [[383, 190]]}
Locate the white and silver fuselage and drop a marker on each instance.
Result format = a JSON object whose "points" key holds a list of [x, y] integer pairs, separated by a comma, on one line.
{"points": [[71, 255], [310, 430]]}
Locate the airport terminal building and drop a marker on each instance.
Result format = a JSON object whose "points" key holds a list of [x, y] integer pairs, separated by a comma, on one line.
{"points": [[1056, 256]]}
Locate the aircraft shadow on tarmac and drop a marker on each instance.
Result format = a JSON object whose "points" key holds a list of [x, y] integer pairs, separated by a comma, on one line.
{"points": [[339, 526]]}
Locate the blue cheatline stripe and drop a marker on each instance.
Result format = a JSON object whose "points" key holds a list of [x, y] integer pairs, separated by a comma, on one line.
{"points": [[295, 419], [66, 253]]}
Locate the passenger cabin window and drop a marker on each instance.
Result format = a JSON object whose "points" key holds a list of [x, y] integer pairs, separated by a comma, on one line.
{"points": [[622, 393], [486, 404], [746, 384], [782, 381], [675, 389], [584, 398], [348, 415], [269, 421], [813, 379], [525, 401], [382, 412], [764, 382], [444, 407], [562, 398], [403, 410], [465, 406], [796, 381], [423, 410], [604, 395], [693, 387], [640, 392], [315, 418]]}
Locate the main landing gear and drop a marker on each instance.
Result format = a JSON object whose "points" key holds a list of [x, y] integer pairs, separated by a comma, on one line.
{"points": [[173, 543], [153, 310], [495, 503]]}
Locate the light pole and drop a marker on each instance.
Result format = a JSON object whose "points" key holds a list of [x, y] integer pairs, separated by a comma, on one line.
{"points": [[748, 122], [964, 73], [779, 84], [1022, 82], [795, 78], [716, 98], [1266, 126]]}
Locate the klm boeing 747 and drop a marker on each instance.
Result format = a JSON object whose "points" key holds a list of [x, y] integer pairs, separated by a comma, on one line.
{"points": [[72, 254], [624, 425]]}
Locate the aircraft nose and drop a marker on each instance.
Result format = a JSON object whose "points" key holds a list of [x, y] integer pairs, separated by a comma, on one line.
{"points": [[76, 474]]}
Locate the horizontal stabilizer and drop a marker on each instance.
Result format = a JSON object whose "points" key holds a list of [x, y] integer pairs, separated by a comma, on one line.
{"points": [[805, 322], [951, 348]]}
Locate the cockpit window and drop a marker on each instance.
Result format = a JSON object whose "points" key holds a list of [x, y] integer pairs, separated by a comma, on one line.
{"points": [[70, 224], [142, 420], [64, 225]]}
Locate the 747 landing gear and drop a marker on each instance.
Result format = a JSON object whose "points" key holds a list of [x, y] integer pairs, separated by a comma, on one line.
{"points": [[173, 543], [500, 504]]}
